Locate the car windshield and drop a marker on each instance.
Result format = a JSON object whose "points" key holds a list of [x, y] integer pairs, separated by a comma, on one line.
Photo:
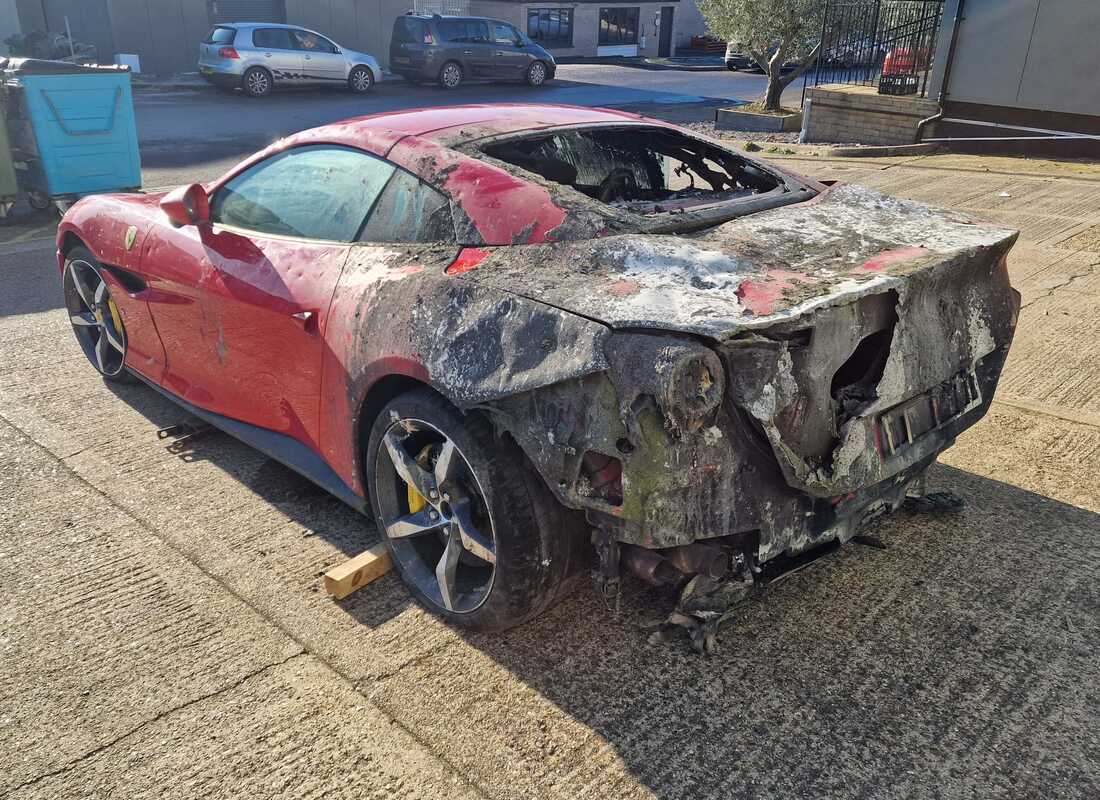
{"points": [[648, 171]]}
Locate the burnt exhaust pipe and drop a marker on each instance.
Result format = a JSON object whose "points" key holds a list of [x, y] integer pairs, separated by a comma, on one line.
{"points": [[673, 564]]}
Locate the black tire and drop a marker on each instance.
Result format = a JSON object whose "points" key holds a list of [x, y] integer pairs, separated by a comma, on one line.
{"points": [[360, 80], [257, 82], [731, 66], [113, 369], [451, 75], [541, 548], [537, 74]]}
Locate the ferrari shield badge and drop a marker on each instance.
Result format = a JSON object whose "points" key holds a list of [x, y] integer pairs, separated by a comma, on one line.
{"points": [[131, 235]]}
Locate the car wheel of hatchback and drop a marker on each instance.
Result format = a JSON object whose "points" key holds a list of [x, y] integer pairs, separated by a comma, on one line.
{"points": [[536, 74], [450, 77], [257, 82], [360, 80], [473, 532], [94, 316]]}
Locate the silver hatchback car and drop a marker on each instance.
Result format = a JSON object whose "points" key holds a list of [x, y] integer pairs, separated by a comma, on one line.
{"points": [[257, 56]]}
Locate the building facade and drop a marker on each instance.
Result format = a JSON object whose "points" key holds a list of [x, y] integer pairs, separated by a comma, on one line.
{"points": [[165, 34], [1018, 68]]}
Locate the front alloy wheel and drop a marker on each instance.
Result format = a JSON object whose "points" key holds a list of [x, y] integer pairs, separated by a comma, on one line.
{"points": [[471, 529], [94, 316], [536, 74], [360, 80]]}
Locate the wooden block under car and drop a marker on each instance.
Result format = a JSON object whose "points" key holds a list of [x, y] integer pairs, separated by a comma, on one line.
{"points": [[343, 579]]}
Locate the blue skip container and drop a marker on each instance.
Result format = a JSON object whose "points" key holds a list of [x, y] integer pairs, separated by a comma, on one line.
{"points": [[72, 129]]}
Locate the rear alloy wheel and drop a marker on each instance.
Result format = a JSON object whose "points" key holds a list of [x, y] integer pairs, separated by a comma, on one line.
{"points": [[536, 74], [360, 80], [257, 82], [95, 318], [472, 531], [450, 77]]}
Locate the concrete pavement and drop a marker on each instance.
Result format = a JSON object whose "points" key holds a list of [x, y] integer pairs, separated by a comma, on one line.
{"points": [[163, 630]]}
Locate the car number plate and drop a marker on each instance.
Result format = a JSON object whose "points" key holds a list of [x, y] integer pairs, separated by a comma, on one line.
{"points": [[904, 424]]}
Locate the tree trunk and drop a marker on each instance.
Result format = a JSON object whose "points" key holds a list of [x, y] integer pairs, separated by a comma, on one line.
{"points": [[775, 88]]}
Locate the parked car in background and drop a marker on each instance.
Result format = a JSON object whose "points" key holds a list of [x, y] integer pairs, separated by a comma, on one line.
{"points": [[906, 61], [736, 57], [451, 50], [258, 56]]}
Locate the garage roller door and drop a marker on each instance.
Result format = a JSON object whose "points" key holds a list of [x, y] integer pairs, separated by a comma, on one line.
{"points": [[248, 11]]}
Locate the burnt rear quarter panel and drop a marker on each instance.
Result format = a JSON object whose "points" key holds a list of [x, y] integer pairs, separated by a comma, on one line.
{"points": [[396, 312]]}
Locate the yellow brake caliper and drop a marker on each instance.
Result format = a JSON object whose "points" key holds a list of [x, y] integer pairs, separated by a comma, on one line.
{"points": [[417, 501], [116, 318]]}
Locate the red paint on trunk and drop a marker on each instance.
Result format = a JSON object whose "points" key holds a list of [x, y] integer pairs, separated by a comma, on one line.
{"points": [[889, 257]]}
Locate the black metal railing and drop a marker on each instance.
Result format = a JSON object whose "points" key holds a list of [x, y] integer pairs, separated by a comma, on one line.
{"points": [[883, 43]]}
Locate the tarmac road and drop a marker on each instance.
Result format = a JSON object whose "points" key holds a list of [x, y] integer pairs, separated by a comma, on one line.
{"points": [[186, 128], [163, 632]]}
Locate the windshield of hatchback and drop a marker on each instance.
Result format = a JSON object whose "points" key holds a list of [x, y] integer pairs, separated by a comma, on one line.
{"points": [[642, 170]]}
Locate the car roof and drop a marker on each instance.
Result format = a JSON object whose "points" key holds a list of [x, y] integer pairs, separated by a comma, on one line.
{"points": [[452, 126], [459, 17], [259, 25]]}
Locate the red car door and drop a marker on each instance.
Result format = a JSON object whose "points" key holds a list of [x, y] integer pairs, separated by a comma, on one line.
{"points": [[241, 302]]}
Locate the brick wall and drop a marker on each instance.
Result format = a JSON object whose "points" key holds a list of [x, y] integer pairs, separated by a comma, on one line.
{"points": [[858, 114]]}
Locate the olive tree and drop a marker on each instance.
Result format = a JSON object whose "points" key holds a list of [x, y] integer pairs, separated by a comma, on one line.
{"points": [[773, 32]]}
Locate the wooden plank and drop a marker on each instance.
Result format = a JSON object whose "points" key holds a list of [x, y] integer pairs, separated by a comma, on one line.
{"points": [[343, 579]]}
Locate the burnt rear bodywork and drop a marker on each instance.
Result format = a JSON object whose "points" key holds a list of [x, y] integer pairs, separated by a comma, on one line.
{"points": [[780, 377]]}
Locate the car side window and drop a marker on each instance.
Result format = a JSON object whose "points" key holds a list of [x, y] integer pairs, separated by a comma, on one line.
{"points": [[272, 38], [315, 192], [409, 211], [504, 34], [311, 42], [467, 31]]}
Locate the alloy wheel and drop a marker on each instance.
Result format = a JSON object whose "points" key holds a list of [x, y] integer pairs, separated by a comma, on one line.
{"points": [[435, 515], [536, 75], [452, 75], [258, 82], [360, 80], [95, 318]]}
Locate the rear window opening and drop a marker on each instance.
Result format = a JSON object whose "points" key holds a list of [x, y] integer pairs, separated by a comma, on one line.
{"points": [[643, 170], [220, 35]]}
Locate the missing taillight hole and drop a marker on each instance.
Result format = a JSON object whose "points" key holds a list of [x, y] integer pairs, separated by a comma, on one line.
{"points": [[855, 384]]}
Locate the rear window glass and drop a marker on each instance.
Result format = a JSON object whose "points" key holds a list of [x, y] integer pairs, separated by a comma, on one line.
{"points": [[276, 38], [408, 30], [464, 30], [219, 35], [644, 170]]}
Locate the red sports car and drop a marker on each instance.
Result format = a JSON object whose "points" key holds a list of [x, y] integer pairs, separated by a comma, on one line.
{"points": [[518, 335]]}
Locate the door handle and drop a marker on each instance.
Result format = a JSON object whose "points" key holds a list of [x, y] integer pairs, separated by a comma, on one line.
{"points": [[267, 55], [501, 53], [467, 52]]}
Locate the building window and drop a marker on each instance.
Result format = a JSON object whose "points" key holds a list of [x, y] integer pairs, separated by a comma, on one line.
{"points": [[618, 26], [550, 27]]}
